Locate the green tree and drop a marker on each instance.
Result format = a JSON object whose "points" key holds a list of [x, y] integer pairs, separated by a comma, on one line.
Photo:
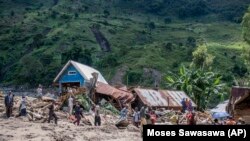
{"points": [[109, 60], [31, 69], [1, 64], [133, 77], [246, 50], [46, 59], [201, 58], [86, 57], [77, 54], [244, 81], [246, 56], [76, 15], [106, 13], [200, 85], [12, 13], [151, 25], [246, 26]]}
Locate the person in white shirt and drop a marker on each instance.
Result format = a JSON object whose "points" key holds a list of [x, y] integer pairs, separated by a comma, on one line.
{"points": [[70, 90], [136, 117], [23, 106], [97, 116], [39, 91], [70, 104]]}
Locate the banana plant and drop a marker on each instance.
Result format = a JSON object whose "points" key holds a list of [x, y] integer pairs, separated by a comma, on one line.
{"points": [[197, 83]]}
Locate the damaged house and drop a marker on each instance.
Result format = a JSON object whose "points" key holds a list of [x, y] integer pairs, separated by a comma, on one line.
{"points": [[76, 74], [159, 98], [239, 103], [117, 97]]}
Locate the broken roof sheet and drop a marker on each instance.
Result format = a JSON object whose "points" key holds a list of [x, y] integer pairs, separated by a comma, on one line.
{"points": [[161, 98], [114, 92], [176, 97], [152, 97], [239, 91], [84, 70]]}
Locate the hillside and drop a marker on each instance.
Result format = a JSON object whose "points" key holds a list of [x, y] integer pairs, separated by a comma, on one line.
{"points": [[144, 39]]}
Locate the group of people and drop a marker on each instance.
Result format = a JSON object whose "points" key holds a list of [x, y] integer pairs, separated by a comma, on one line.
{"points": [[78, 111], [9, 103], [229, 121], [145, 115], [177, 119]]}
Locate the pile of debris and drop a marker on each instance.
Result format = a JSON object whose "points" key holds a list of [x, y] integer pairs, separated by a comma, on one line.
{"points": [[37, 109], [164, 117]]}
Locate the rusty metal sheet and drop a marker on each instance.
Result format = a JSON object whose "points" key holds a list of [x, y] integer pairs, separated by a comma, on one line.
{"points": [[175, 97], [118, 94], [152, 97], [239, 91], [161, 98]]}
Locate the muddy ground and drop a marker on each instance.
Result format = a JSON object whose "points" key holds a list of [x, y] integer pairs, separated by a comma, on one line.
{"points": [[17, 129]]}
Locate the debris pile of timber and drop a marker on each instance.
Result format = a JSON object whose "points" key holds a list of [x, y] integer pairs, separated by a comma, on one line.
{"points": [[37, 109], [164, 117]]}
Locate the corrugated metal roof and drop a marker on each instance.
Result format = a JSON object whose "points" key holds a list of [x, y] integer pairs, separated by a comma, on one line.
{"points": [[176, 97], [152, 97], [84, 70], [239, 91], [161, 98], [114, 92], [238, 95]]}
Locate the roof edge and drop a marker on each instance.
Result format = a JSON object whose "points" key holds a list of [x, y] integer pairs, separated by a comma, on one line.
{"points": [[63, 69]]}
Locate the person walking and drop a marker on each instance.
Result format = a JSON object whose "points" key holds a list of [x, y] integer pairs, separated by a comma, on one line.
{"points": [[143, 116], [78, 114], [11, 103], [97, 116], [124, 113], [23, 107], [191, 118], [70, 104], [52, 112], [136, 117], [7, 101], [184, 106]]}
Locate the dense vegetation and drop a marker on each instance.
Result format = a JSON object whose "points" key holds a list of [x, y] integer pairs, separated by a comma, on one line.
{"points": [[146, 37], [199, 82], [246, 50]]}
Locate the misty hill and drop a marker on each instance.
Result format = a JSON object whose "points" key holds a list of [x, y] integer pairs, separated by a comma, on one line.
{"points": [[130, 42]]}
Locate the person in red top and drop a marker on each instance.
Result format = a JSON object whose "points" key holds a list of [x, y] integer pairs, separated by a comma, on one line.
{"points": [[191, 119], [153, 117], [230, 121]]}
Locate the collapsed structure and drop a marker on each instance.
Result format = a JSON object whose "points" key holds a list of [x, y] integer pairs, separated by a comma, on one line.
{"points": [[239, 103], [80, 75], [117, 97]]}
